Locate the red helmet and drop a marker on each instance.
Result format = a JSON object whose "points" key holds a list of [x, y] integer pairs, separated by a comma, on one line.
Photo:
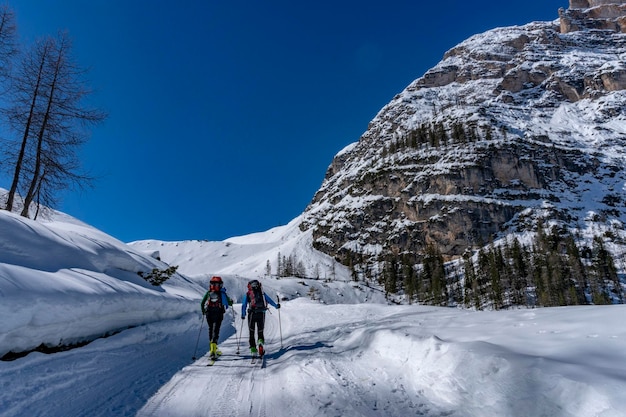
{"points": [[217, 281]]}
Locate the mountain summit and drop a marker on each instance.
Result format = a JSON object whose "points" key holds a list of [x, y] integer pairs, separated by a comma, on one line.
{"points": [[515, 127]]}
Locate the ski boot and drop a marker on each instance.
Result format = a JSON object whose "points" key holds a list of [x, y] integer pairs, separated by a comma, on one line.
{"points": [[261, 350], [213, 352]]}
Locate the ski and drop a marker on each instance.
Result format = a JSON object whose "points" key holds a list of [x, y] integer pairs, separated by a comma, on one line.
{"points": [[211, 361], [258, 359]]}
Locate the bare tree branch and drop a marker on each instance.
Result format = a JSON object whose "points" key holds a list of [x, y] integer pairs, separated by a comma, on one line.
{"points": [[47, 112]]}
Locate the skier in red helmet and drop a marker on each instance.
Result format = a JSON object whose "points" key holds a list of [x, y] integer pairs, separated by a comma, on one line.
{"points": [[214, 305]]}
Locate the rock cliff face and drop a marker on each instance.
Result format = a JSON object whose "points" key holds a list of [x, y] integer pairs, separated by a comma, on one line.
{"points": [[594, 14], [513, 126]]}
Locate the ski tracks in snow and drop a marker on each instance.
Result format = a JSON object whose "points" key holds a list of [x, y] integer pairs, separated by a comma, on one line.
{"points": [[340, 368], [231, 387]]}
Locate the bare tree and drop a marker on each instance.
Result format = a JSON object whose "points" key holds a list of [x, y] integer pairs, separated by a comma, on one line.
{"points": [[8, 45], [27, 94], [48, 114], [8, 49]]}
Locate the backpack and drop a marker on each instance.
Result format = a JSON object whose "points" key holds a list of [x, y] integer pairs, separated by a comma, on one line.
{"points": [[256, 296], [214, 300]]}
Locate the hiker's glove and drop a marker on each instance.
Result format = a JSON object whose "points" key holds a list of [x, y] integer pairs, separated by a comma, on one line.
{"points": [[278, 305], [203, 312], [243, 317], [230, 302]]}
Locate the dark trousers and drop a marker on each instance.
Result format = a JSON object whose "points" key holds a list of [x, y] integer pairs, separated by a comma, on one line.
{"points": [[256, 319], [214, 319]]}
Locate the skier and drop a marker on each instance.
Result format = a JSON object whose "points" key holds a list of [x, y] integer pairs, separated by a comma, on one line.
{"points": [[257, 301], [214, 305]]}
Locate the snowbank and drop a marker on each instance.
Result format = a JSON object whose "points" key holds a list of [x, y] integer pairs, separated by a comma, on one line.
{"points": [[63, 282]]}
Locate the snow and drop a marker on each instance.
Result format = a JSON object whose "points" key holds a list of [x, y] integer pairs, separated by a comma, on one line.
{"points": [[413, 360], [334, 348]]}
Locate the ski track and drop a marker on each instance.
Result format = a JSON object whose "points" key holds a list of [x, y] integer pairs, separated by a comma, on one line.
{"points": [[233, 386], [301, 378]]}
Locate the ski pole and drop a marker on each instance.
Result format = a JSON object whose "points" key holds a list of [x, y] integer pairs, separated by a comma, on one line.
{"points": [[280, 326], [193, 358], [239, 338]]}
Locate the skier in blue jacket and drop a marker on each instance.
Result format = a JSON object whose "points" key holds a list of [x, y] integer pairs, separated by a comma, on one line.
{"points": [[255, 303]]}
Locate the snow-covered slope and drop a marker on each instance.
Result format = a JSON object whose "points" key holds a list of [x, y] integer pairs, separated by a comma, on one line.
{"points": [[63, 282], [239, 259], [244, 255]]}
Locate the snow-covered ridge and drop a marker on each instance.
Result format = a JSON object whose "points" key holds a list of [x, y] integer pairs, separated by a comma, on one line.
{"points": [[247, 255]]}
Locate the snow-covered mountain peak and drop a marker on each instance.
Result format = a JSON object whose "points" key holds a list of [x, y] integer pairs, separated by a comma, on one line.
{"points": [[511, 121]]}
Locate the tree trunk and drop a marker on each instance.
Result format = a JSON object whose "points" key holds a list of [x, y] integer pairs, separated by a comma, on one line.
{"points": [[30, 195], [27, 128]]}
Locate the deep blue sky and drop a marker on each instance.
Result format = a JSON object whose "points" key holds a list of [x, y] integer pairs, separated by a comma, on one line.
{"points": [[224, 115]]}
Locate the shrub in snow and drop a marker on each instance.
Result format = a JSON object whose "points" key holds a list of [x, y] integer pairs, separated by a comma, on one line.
{"points": [[158, 276]]}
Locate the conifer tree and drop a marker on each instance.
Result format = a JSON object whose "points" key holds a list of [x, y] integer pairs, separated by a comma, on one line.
{"points": [[519, 275], [434, 276], [410, 279], [391, 275], [495, 268], [471, 297], [279, 266], [577, 270], [604, 272]]}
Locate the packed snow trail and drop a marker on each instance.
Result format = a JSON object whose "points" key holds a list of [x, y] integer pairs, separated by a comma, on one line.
{"points": [[231, 387], [374, 360], [309, 376]]}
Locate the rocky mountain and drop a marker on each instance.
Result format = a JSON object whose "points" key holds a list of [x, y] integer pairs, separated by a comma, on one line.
{"points": [[515, 126]]}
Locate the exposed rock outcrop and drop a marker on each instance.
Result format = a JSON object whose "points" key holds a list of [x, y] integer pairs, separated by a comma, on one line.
{"points": [[594, 14], [512, 126]]}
